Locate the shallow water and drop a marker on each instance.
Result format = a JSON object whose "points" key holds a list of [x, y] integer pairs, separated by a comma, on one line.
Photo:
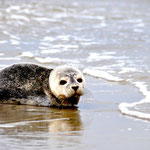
{"points": [[109, 41]]}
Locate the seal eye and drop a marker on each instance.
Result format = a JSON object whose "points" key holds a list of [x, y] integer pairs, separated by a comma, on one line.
{"points": [[62, 82], [79, 80]]}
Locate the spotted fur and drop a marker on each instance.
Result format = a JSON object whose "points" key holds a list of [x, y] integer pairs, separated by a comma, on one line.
{"points": [[31, 84]]}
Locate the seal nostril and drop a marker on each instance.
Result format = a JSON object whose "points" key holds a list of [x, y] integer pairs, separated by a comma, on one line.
{"points": [[75, 88]]}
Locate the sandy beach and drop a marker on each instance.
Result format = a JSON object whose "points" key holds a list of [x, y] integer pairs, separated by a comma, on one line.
{"points": [[109, 42]]}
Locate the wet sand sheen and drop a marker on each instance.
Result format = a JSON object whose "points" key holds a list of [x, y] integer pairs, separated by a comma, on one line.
{"points": [[47, 127], [40, 119]]}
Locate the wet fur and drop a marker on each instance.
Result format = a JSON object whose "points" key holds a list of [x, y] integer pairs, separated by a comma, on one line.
{"points": [[20, 81], [30, 84]]}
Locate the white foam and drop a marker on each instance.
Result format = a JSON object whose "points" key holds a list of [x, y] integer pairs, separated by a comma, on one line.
{"points": [[143, 89], [66, 46], [101, 74], [64, 37], [27, 54], [140, 24], [10, 58], [109, 53], [59, 61], [45, 44], [138, 30], [50, 51], [14, 42], [25, 10], [42, 19], [49, 39], [47, 60], [126, 108], [14, 37], [3, 66], [6, 32], [60, 15], [128, 70], [20, 17], [4, 41], [129, 129], [97, 57], [9, 9], [1, 54]]}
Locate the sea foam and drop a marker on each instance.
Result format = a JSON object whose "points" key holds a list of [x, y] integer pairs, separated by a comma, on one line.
{"points": [[102, 74], [47, 60], [50, 51], [130, 108], [27, 54]]}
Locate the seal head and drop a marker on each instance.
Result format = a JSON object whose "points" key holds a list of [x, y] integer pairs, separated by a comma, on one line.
{"points": [[67, 85]]}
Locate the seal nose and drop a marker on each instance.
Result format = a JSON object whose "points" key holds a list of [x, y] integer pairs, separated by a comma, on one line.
{"points": [[75, 88]]}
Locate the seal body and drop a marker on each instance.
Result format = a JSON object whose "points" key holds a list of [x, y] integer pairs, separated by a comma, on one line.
{"points": [[36, 85]]}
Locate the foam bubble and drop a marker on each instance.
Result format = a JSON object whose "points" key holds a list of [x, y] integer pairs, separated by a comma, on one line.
{"points": [[42, 19], [20, 17], [50, 51], [49, 39], [9, 9], [101, 74], [14, 37], [4, 41], [128, 69], [140, 24], [143, 89], [2, 66], [129, 108], [138, 30], [1, 54], [64, 37], [47, 60], [10, 58], [97, 57], [126, 108], [130, 129], [14, 42], [66, 46], [27, 54]]}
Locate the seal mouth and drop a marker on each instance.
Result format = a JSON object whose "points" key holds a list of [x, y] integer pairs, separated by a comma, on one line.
{"points": [[71, 101]]}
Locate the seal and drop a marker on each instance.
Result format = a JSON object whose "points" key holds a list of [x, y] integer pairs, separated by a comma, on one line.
{"points": [[36, 85]]}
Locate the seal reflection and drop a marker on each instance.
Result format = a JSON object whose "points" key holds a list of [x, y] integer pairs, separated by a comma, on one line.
{"points": [[31, 119], [68, 119]]}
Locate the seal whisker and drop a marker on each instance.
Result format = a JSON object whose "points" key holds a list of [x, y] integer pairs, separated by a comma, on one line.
{"points": [[87, 97]]}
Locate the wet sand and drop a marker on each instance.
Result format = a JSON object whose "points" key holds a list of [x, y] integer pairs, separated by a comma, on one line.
{"points": [[109, 36]]}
